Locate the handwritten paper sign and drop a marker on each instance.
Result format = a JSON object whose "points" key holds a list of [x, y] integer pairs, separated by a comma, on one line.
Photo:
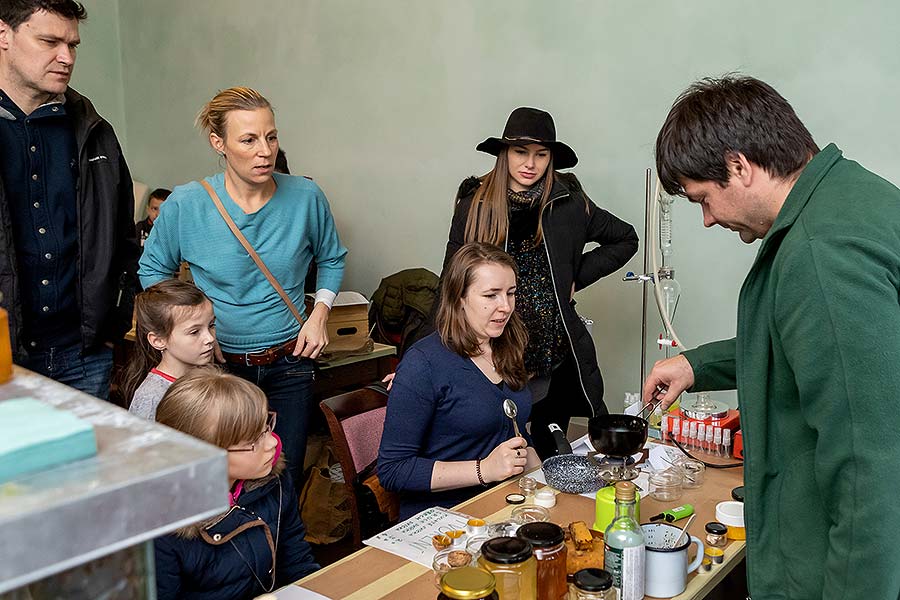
{"points": [[411, 539]]}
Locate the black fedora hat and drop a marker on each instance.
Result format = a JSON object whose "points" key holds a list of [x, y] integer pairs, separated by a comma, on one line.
{"points": [[531, 126]]}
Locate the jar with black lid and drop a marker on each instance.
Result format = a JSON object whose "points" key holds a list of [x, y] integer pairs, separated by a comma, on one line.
{"points": [[548, 541], [468, 583], [716, 534], [511, 561], [592, 584]]}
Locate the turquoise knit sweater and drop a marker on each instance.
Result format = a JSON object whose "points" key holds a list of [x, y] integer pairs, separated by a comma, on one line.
{"points": [[294, 228]]}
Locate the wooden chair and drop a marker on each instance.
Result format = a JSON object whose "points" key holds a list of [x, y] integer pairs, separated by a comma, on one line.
{"points": [[356, 422]]}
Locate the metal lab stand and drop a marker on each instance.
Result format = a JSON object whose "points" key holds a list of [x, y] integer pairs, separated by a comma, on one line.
{"points": [[146, 480]]}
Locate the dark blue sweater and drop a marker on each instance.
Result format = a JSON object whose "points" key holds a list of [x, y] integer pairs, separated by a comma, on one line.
{"points": [[441, 408]]}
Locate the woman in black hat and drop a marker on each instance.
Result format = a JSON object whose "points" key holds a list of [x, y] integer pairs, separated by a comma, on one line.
{"points": [[544, 219]]}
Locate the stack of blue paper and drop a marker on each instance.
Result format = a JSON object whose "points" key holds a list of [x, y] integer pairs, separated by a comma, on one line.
{"points": [[35, 436]]}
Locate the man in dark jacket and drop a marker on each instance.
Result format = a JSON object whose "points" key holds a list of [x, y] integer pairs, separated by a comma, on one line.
{"points": [[67, 242], [154, 203], [815, 357]]}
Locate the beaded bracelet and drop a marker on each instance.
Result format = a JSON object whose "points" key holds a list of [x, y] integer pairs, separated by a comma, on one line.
{"points": [[478, 472]]}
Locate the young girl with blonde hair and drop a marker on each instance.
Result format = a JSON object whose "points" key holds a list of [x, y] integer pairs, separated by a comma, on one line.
{"points": [[258, 544]]}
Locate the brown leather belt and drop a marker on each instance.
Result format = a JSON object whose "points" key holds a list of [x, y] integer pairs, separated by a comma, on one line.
{"points": [[263, 357]]}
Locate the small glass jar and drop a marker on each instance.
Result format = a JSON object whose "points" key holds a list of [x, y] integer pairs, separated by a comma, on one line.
{"points": [[592, 584], [529, 513], [528, 485], [449, 560], [545, 497], [716, 534], [511, 560], [693, 472], [665, 486], [715, 555], [549, 543], [468, 583]]}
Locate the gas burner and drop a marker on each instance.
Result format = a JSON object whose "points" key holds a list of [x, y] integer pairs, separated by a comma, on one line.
{"points": [[617, 468]]}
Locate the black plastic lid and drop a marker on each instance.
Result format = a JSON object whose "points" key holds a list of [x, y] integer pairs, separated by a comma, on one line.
{"points": [[541, 534], [506, 550], [593, 580], [738, 493], [716, 528]]}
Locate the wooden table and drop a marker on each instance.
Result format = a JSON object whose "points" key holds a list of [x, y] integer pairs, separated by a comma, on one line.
{"points": [[371, 574], [353, 372]]}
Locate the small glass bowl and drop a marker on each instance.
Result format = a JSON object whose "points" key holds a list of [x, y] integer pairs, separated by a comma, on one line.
{"points": [[693, 472], [503, 529], [473, 545], [529, 513], [666, 486], [447, 560]]}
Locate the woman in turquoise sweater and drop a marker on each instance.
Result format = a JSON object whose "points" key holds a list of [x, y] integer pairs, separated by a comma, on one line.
{"points": [[288, 222]]}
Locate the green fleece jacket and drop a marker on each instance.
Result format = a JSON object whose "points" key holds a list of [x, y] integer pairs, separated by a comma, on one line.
{"points": [[815, 363]]}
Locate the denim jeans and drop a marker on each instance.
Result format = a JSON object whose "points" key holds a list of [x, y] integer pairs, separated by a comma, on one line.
{"points": [[88, 372], [288, 385]]}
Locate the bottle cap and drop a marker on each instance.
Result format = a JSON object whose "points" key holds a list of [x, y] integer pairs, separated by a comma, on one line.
{"points": [[716, 528], [625, 491]]}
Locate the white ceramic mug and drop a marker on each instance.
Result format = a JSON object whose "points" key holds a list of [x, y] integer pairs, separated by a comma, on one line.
{"points": [[666, 567]]}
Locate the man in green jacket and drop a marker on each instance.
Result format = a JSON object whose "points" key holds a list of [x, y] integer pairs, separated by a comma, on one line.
{"points": [[816, 359]]}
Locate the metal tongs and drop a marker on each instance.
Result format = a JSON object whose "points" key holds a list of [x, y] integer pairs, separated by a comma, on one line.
{"points": [[654, 402]]}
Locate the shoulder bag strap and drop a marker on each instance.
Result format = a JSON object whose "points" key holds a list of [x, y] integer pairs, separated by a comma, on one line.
{"points": [[243, 240]]}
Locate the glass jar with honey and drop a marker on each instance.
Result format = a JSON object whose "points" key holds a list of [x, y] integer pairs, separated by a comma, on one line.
{"points": [[548, 542], [511, 561]]}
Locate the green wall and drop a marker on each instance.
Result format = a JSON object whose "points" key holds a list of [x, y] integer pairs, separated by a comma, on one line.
{"points": [[383, 103], [98, 66]]}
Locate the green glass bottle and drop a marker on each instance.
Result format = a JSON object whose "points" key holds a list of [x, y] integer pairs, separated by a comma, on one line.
{"points": [[624, 546]]}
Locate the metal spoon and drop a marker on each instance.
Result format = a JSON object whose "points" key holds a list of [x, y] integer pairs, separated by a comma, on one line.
{"points": [[511, 410]]}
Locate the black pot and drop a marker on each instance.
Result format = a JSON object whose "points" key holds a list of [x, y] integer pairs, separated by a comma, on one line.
{"points": [[617, 434]]}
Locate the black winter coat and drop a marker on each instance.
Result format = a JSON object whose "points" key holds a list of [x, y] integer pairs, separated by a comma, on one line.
{"points": [[213, 559], [570, 221], [107, 250]]}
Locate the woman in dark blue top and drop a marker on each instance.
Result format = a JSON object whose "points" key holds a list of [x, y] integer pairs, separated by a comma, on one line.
{"points": [[445, 433]]}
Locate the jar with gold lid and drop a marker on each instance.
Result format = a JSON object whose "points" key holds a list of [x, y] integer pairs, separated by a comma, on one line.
{"points": [[468, 583]]}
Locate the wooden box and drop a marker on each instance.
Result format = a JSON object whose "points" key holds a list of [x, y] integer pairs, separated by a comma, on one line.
{"points": [[349, 316]]}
